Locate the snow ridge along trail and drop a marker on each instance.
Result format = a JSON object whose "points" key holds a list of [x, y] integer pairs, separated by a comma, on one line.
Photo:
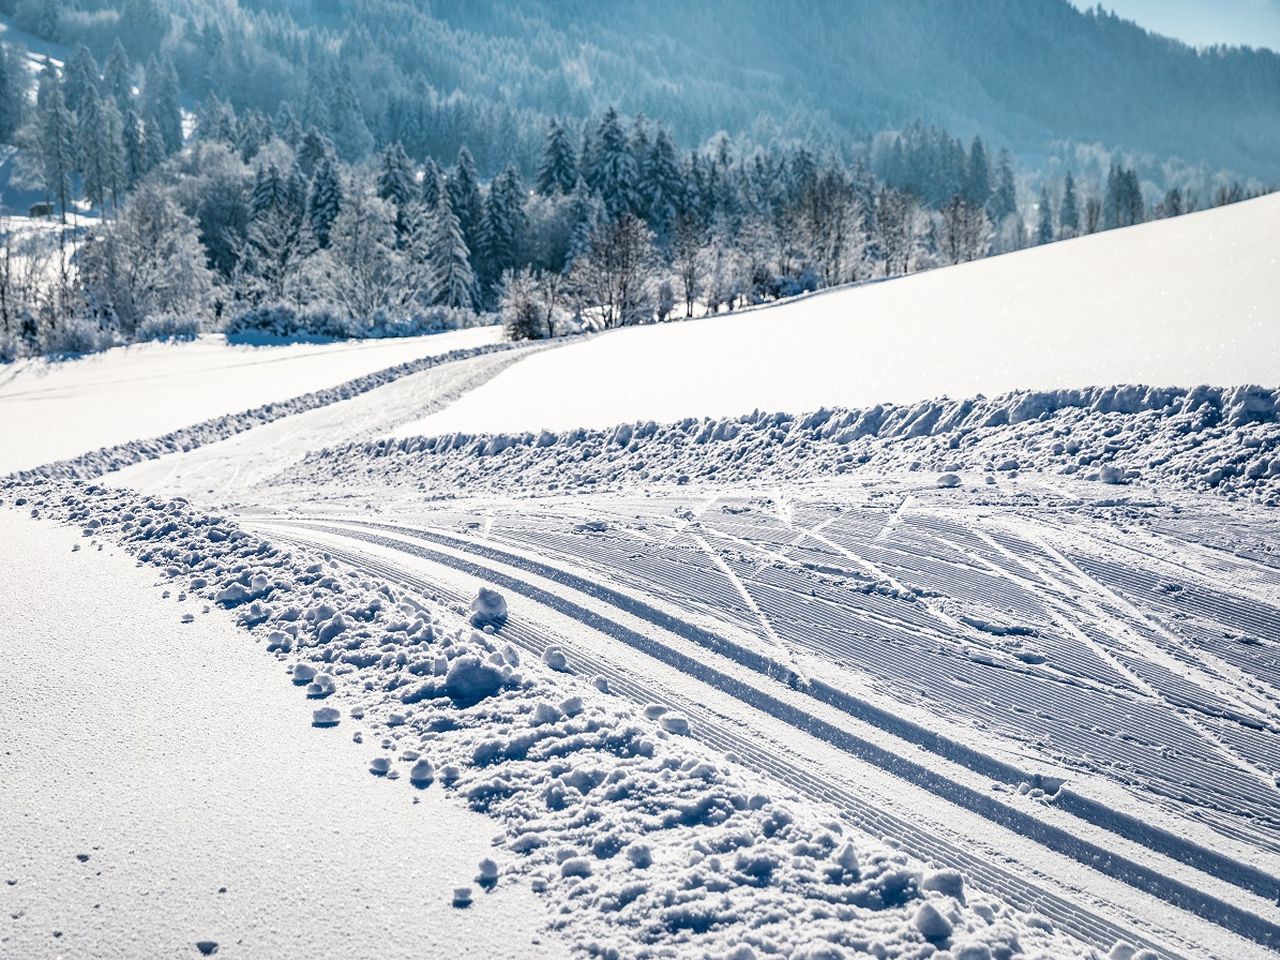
{"points": [[95, 463], [512, 572]]}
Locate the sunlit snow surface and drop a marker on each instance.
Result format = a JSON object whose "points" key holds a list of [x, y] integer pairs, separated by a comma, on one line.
{"points": [[1177, 302]]}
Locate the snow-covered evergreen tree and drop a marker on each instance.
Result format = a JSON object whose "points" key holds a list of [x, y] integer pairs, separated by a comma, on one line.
{"points": [[661, 186], [80, 77], [558, 171], [464, 196], [613, 173], [977, 175], [324, 201], [162, 103], [117, 77], [1044, 218], [396, 183], [1069, 215], [1004, 199], [453, 282]]}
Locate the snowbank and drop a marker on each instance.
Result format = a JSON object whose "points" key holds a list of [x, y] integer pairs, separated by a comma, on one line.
{"points": [[51, 410], [1212, 438], [644, 842], [1182, 301]]}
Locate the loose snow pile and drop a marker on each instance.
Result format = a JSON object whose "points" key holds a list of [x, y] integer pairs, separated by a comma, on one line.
{"points": [[95, 463], [1207, 438], [644, 843]]}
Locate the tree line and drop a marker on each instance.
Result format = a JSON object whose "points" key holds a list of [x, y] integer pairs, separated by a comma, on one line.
{"points": [[262, 226]]}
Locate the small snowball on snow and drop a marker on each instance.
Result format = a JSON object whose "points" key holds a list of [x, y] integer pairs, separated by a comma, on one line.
{"points": [[488, 870], [488, 609], [948, 480], [933, 926], [640, 855], [1122, 951], [601, 684], [188, 618], [325, 717], [379, 766], [554, 658], [462, 896], [654, 710], [1112, 474], [303, 673], [422, 773], [571, 706], [674, 723]]}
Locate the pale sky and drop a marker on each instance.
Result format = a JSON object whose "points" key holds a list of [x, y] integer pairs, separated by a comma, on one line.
{"points": [[1254, 23]]}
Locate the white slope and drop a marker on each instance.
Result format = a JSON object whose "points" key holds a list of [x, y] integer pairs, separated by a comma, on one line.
{"points": [[53, 410], [178, 758], [1178, 302]]}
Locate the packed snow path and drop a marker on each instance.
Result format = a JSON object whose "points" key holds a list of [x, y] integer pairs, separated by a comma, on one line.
{"points": [[1108, 671]]}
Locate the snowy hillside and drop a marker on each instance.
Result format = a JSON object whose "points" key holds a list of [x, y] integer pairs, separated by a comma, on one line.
{"points": [[1171, 303]]}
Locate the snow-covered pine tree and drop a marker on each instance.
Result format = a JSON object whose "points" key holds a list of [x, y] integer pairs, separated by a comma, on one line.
{"points": [[585, 214], [268, 190], [453, 283], [324, 200], [501, 228], [432, 184], [977, 175], [1044, 218], [464, 196], [613, 174], [662, 187], [1004, 200], [162, 102], [117, 76], [396, 183], [1069, 214], [558, 171], [81, 75]]}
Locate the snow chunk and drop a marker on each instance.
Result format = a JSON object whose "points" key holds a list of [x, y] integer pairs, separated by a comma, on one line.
{"points": [[488, 609], [554, 658], [471, 679], [933, 926], [325, 717]]}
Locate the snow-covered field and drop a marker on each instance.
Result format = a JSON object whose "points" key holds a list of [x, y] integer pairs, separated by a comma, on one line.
{"points": [[1177, 302], [959, 679]]}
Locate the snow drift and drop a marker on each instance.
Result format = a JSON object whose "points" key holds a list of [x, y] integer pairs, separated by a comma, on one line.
{"points": [[1211, 438]]}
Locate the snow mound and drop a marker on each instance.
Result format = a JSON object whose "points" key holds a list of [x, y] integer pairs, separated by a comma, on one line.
{"points": [[1225, 439]]}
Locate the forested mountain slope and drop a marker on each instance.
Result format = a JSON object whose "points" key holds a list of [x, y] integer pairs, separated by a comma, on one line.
{"points": [[439, 73]]}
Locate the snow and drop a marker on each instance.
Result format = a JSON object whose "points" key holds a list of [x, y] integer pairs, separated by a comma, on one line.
{"points": [[55, 409], [1175, 302], [162, 788]]}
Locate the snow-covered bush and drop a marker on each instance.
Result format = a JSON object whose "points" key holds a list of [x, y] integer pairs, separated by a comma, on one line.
{"points": [[283, 322], [76, 334], [170, 326]]}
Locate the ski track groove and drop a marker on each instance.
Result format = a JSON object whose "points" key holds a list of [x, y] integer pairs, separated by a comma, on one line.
{"points": [[713, 730], [1053, 837]]}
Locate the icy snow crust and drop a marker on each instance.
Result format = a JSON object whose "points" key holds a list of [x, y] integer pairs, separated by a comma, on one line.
{"points": [[1208, 438], [645, 843]]}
